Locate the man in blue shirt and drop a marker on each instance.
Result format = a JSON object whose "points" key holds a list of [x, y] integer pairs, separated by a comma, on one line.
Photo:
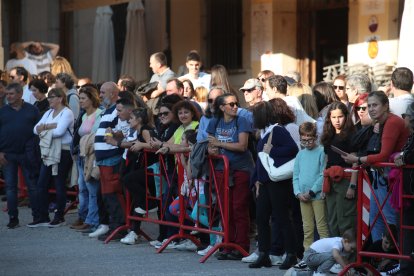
{"points": [[18, 148]]}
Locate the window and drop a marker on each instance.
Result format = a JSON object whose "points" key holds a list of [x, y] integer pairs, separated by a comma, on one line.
{"points": [[224, 33]]}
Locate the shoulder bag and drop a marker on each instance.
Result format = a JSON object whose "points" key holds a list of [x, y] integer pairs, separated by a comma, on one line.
{"points": [[280, 173]]}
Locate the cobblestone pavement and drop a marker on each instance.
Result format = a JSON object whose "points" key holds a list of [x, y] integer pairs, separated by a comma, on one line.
{"points": [[62, 251]]}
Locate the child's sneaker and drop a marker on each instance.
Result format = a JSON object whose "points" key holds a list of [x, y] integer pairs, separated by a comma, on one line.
{"points": [[204, 251], [251, 258], [186, 245], [130, 239]]}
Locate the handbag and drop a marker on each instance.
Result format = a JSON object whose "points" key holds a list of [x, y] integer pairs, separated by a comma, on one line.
{"points": [[276, 174]]}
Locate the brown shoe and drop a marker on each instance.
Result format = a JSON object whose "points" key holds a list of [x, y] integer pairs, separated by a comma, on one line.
{"points": [[82, 227], [77, 223]]}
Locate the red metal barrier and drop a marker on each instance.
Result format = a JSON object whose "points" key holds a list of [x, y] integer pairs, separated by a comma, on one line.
{"points": [[361, 252], [221, 208]]}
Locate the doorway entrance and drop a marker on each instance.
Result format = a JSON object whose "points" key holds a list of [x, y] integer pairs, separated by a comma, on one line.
{"points": [[322, 36]]}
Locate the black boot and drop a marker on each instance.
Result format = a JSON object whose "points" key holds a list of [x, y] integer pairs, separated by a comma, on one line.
{"points": [[289, 261], [262, 260]]}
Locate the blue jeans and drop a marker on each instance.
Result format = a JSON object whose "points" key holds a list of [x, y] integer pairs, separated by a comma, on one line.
{"points": [[59, 182], [88, 196], [380, 185], [10, 173]]}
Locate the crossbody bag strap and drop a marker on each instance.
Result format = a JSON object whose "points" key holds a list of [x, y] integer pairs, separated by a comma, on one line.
{"points": [[269, 140]]}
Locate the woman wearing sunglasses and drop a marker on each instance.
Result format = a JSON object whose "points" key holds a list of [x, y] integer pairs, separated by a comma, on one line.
{"points": [[228, 135], [360, 112], [339, 85]]}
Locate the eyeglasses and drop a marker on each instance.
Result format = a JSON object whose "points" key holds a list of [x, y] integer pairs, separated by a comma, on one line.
{"points": [[307, 141], [261, 79], [340, 87], [160, 114], [210, 101], [51, 97], [359, 108], [232, 104]]}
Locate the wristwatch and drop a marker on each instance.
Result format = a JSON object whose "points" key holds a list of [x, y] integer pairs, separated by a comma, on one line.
{"points": [[352, 186]]}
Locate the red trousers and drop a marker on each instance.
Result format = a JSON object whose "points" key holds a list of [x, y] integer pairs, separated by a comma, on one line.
{"points": [[239, 196]]}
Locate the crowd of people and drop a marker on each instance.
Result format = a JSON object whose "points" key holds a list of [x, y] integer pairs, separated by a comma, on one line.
{"points": [[62, 130]]}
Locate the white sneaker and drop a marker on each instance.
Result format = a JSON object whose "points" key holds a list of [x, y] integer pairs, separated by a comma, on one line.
{"points": [[336, 268], [171, 245], [130, 239], [186, 245], [204, 251], [276, 260], [102, 229], [141, 211], [155, 243], [251, 258]]}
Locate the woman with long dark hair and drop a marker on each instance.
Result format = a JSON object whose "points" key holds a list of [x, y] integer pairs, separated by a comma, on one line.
{"points": [[228, 134]]}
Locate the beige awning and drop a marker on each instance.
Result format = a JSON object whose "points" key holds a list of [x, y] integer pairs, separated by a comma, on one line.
{"points": [[135, 58]]}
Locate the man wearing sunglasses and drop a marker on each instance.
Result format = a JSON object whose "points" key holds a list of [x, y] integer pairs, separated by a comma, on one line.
{"points": [[252, 91], [401, 85]]}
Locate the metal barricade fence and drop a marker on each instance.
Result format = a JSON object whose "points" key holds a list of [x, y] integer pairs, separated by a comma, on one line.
{"points": [[218, 210], [361, 238]]}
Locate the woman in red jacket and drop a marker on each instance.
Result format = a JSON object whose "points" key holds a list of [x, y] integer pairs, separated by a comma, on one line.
{"points": [[394, 135]]}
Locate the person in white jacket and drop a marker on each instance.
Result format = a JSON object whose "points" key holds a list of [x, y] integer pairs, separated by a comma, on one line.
{"points": [[58, 120]]}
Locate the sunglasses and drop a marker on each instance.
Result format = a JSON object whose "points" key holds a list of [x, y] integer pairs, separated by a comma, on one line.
{"points": [[359, 108], [210, 101], [160, 114], [232, 104], [261, 79], [51, 97], [249, 90], [340, 87]]}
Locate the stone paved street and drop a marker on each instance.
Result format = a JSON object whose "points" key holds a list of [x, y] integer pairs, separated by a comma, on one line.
{"points": [[62, 251]]}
